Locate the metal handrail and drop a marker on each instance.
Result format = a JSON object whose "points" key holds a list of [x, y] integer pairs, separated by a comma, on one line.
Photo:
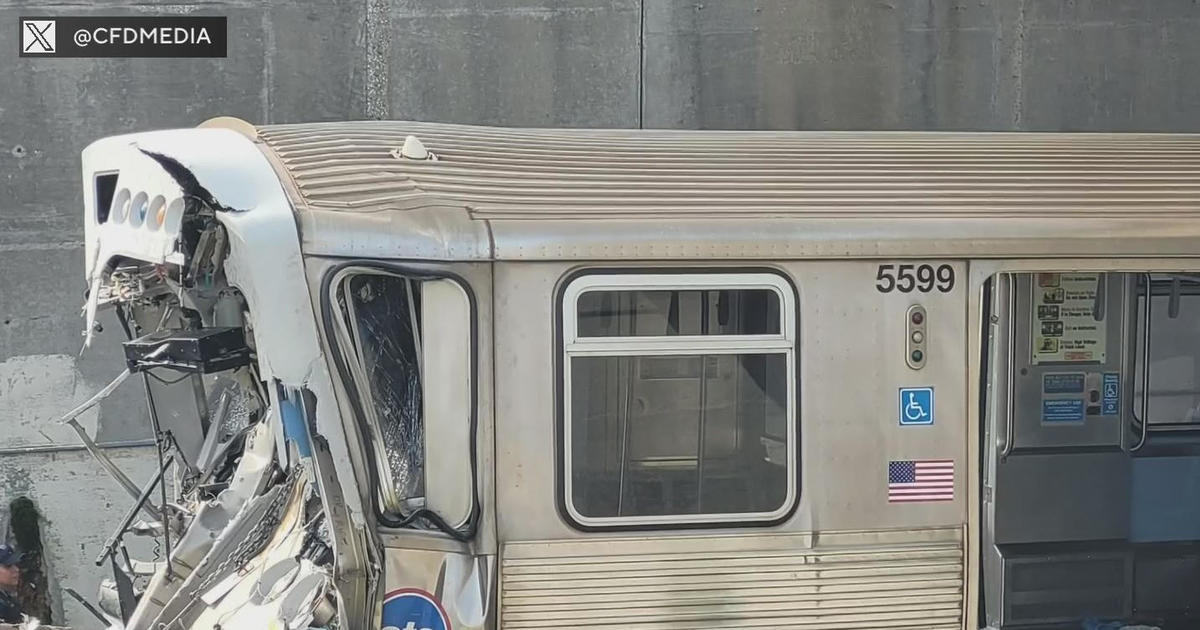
{"points": [[1009, 442], [1145, 419]]}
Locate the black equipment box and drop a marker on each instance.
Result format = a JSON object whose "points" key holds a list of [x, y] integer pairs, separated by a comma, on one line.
{"points": [[205, 350]]}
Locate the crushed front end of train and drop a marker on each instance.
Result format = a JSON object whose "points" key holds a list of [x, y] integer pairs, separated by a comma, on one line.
{"points": [[192, 244]]}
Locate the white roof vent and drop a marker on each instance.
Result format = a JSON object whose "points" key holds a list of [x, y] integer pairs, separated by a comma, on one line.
{"points": [[413, 149]]}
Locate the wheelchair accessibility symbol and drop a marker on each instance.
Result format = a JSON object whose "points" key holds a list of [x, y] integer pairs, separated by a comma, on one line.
{"points": [[916, 405]]}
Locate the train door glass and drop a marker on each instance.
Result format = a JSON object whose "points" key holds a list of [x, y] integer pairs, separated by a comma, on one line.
{"points": [[1173, 373], [1088, 513]]}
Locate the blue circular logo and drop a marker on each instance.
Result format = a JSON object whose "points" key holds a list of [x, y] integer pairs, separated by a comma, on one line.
{"points": [[413, 609]]}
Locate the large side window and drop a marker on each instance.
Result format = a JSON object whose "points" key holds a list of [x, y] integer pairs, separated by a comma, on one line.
{"points": [[1174, 349], [679, 398], [407, 345]]}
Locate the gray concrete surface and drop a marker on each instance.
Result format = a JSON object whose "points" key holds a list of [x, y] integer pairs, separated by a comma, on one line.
{"points": [[79, 506], [1069, 65], [771, 64]]}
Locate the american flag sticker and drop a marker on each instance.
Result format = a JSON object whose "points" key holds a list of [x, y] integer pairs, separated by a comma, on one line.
{"points": [[913, 480]]}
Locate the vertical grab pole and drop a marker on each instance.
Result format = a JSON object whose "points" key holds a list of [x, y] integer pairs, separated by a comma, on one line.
{"points": [[1145, 419], [703, 424], [1012, 354]]}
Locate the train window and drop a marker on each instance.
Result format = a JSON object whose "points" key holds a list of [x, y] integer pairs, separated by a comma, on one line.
{"points": [[1174, 376], [408, 341], [679, 399], [668, 313]]}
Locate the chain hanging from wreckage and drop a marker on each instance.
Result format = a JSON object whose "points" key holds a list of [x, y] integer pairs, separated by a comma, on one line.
{"points": [[252, 544]]}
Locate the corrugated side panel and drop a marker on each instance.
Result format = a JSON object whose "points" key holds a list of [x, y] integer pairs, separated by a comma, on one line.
{"points": [[846, 581]]}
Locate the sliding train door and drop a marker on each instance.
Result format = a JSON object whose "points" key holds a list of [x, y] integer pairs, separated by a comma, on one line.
{"points": [[1089, 512], [1056, 487]]}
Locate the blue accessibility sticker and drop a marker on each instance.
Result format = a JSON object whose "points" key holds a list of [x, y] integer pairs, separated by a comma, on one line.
{"points": [[916, 405], [1062, 410], [1110, 395], [413, 609]]}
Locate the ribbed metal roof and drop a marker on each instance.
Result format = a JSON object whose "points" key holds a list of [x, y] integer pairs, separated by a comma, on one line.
{"points": [[499, 173]]}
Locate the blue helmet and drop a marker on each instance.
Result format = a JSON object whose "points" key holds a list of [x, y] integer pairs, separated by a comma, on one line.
{"points": [[9, 556]]}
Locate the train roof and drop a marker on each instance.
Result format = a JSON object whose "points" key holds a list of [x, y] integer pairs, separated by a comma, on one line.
{"points": [[468, 193]]}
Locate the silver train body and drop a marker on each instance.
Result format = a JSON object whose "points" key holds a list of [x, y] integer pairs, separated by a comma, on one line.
{"points": [[689, 379]]}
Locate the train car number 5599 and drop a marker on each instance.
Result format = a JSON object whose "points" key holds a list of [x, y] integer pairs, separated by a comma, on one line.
{"points": [[907, 278]]}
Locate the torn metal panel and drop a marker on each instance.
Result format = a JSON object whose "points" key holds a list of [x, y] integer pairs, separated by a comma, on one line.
{"points": [[464, 583], [263, 262], [198, 548], [277, 585], [226, 255]]}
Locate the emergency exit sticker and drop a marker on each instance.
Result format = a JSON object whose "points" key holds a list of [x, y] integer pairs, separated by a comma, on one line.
{"points": [[1068, 410]]}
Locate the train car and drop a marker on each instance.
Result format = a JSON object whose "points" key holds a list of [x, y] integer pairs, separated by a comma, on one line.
{"points": [[535, 378]]}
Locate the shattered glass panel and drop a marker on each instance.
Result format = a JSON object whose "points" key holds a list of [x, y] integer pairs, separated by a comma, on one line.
{"points": [[385, 311], [230, 404]]}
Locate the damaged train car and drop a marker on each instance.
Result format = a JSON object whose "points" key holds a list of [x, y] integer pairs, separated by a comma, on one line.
{"points": [[259, 502], [418, 376], [191, 241]]}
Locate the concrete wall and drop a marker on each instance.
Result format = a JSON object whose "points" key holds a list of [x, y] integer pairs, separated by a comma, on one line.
{"points": [[1063, 65], [80, 508], [777, 64]]}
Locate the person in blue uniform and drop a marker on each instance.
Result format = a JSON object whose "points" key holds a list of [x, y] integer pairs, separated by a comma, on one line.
{"points": [[10, 581]]}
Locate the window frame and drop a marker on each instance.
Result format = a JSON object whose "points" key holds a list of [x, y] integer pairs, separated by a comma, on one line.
{"points": [[569, 345], [333, 283], [1138, 309]]}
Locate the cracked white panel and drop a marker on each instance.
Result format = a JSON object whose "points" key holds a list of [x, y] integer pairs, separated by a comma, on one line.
{"points": [[264, 259]]}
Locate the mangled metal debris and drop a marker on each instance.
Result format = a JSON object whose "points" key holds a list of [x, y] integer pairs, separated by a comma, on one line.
{"points": [[235, 508]]}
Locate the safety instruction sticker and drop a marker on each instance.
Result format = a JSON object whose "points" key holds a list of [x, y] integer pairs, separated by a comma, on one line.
{"points": [[1110, 395], [1062, 383], [413, 609], [1066, 410], [1065, 328]]}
